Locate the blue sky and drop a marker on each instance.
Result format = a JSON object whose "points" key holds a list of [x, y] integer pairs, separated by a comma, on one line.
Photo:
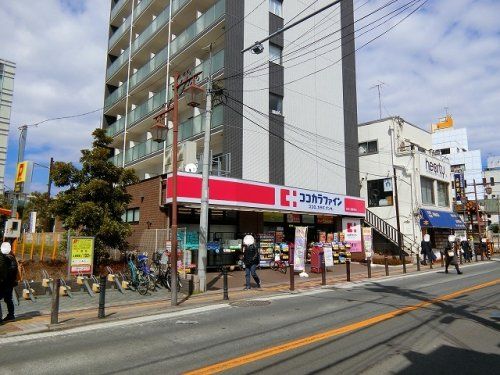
{"points": [[446, 55]]}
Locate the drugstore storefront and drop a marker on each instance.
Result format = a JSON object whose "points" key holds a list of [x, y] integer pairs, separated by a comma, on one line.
{"points": [[269, 212]]}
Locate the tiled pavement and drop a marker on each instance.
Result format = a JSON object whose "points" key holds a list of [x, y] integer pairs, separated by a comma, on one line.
{"points": [[82, 309]]}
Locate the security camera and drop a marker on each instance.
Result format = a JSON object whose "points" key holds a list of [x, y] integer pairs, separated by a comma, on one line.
{"points": [[257, 48]]}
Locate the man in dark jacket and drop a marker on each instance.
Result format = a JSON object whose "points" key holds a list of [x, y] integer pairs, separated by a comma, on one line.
{"points": [[450, 255], [426, 251], [251, 259], [8, 281]]}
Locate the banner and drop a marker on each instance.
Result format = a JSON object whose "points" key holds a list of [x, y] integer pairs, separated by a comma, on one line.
{"points": [[327, 250], [32, 222], [458, 183], [299, 253], [352, 233], [81, 258], [368, 242]]}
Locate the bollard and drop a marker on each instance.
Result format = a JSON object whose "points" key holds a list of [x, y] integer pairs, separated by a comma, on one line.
{"points": [[348, 269], [369, 266], [431, 261], [102, 297], [54, 312], [482, 255], [418, 262], [323, 268], [386, 263], [292, 273], [404, 262], [224, 274], [475, 254]]}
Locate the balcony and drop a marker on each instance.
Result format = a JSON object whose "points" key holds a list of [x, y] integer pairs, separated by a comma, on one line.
{"points": [[142, 149], [117, 127], [119, 33], [117, 8], [115, 96]]}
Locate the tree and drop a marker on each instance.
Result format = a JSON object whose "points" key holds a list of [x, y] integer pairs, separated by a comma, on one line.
{"points": [[38, 203], [95, 197]]}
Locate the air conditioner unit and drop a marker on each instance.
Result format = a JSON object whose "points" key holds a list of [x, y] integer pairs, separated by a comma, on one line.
{"points": [[186, 154]]}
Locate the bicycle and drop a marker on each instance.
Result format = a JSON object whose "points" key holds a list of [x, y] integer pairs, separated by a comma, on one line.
{"points": [[279, 265], [137, 279], [163, 270]]}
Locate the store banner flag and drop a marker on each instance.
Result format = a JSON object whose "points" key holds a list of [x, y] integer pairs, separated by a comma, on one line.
{"points": [[327, 250], [368, 242], [352, 233], [458, 181], [81, 255], [299, 254]]}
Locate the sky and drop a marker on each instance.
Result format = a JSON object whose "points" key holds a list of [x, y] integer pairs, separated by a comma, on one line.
{"points": [[447, 55]]}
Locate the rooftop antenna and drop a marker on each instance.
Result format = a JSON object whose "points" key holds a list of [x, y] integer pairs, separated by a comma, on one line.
{"points": [[378, 86]]}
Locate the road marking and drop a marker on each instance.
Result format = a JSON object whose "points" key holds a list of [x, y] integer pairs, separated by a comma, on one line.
{"points": [[292, 345]]}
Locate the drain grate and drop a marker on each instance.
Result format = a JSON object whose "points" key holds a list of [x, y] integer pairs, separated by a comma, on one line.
{"points": [[250, 303]]}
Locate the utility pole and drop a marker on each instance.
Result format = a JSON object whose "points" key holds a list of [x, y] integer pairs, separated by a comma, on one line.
{"points": [[477, 212], [20, 158], [202, 250], [49, 187], [398, 223]]}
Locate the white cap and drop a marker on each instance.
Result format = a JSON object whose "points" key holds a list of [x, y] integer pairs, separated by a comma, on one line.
{"points": [[427, 237], [248, 240], [451, 238], [5, 248]]}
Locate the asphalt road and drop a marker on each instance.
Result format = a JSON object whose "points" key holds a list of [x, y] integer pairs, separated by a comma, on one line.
{"points": [[426, 323]]}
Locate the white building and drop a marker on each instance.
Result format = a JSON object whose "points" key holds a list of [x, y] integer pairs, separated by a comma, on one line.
{"points": [[454, 144], [423, 181], [7, 72], [492, 197]]}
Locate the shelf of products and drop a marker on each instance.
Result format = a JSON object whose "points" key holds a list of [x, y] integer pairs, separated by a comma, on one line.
{"points": [[266, 248]]}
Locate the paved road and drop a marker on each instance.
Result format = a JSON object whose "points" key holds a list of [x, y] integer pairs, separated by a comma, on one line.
{"points": [[368, 329]]}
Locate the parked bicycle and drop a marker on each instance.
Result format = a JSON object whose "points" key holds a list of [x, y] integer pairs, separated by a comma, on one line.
{"points": [[279, 265], [163, 271], [137, 277]]}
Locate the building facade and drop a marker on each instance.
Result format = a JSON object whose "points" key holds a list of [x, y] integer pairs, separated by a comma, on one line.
{"points": [[492, 193], [277, 122], [7, 72], [393, 149]]}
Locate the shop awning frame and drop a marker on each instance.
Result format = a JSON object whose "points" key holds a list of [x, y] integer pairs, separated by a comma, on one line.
{"points": [[440, 219]]}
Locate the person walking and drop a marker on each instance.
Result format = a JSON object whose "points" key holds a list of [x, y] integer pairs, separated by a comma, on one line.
{"points": [[464, 244], [426, 249], [450, 254], [8, 268], [251, 259]]}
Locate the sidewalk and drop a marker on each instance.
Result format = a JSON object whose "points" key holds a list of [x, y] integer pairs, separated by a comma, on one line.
{"points": [[82, 309]]}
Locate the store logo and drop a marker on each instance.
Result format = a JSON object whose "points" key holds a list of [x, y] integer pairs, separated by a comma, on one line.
{"points": [[352, 227], [288, 198], [435, 168]]}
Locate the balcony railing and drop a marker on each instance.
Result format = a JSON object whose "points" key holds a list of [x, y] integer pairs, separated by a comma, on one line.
{"points": [[115, 96], [117, 8], [119, 32], [117, 127], [142, 149]]}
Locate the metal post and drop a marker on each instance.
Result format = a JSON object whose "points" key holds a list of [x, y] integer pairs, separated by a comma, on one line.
{"points": [[418, 262], [323, 268], [49, 186], [292, 272], [102, 297], [386, 264], [369, 266], [431, 260], [478, 218], [398, 223], [54, 312], [348, 269], [202, 249], [224, 274], [174, 190], [20, 158]]}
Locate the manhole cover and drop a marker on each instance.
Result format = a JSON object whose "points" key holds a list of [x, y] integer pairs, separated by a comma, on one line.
{"points": [[250, 303]]}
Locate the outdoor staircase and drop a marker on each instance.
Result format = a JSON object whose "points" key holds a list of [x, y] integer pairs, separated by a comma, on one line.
{"points": [[386, 230]]}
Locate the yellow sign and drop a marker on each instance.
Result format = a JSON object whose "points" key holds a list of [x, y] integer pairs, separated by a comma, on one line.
{"points": [[81, 255], [22, 171]]}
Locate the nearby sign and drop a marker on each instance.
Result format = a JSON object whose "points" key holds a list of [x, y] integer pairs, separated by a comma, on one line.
{"points": [[299, 252], [352, 233], [23, 176], [81, 254], [434, 168], [32, 222], [458, 183], [368, 242], [240, 193], [327, 250]]}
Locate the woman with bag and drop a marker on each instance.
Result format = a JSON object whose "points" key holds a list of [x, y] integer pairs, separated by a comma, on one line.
{"points": [[450, 254]]}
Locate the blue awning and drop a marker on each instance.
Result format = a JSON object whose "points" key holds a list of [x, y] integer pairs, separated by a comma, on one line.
{"points": [[440, 219]]}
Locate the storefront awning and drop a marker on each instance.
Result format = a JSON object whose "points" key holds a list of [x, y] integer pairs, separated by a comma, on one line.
{"points": [[440, 219], [251, 195]]}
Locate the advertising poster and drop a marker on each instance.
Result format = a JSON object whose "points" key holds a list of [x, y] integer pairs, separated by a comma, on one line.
{"points": [[81, 255], [351, 228], [328, 256], [299, 255], [368, 242]]}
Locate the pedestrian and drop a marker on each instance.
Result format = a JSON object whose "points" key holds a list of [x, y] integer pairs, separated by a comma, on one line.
{"points": [[426, 249], [464, 244], [251, 258], [8, 268], [450, 254]]}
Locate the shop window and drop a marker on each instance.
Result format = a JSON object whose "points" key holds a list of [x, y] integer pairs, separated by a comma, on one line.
{"points": [[380, 193], [275, 53], [276, 7], [427, 187], [366, 148], [443, 196], [132, 215], [275, 104]]}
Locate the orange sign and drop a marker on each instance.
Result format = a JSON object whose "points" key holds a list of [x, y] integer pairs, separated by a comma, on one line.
{"points": [[22, 170]]}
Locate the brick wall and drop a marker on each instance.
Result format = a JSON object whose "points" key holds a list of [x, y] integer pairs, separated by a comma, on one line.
{"points": [[146, 195]]}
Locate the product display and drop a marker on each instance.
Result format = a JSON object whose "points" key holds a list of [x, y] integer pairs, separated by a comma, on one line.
{"points": [[266, 248]]}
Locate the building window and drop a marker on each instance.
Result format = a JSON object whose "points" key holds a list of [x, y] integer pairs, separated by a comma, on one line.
{"points": [[276, 104], [276, 7], [443, 197], [275, 54], [457, 168], [131, 215], [445, 151], [366, 148], [427, 186], [380, 193]]}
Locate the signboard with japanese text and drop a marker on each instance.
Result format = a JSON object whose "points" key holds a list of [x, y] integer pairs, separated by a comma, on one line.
{"points": [[299, 254], [81, 254], [368, 242], [459, 185], [23, 177], [352, 233], [231, 192]]}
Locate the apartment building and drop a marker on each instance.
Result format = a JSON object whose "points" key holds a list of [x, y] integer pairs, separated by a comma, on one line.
{"points": [[288, 115], [7, 73]]}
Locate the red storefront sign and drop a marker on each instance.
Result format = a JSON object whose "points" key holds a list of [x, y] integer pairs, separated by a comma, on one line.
{"points": [[232, 192]]}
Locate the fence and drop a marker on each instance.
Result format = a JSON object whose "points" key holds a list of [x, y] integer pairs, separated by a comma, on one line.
{"points": [[41, 247]]}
